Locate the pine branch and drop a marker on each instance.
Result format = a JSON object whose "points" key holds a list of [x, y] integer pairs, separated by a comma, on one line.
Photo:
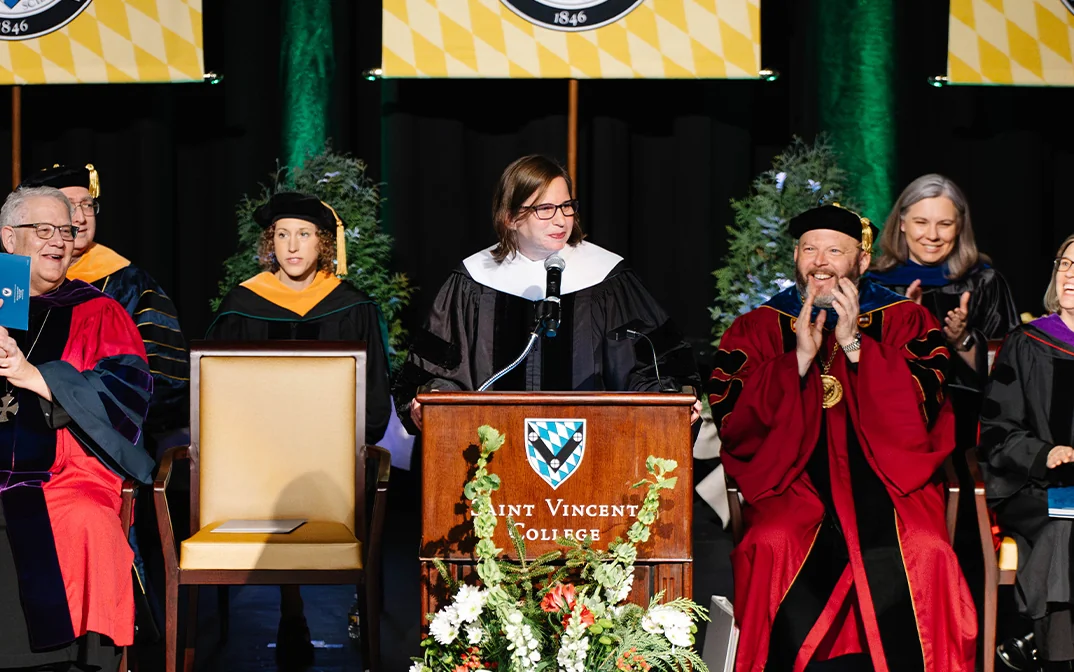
{"points": [[760, 257]]}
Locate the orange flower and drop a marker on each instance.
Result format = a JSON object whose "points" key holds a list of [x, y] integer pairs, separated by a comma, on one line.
{"points": [[560, 598], [632, 661], [587, 617]]}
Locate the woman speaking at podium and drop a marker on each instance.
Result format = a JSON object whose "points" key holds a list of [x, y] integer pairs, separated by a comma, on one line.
{"points": [[611, 336]]}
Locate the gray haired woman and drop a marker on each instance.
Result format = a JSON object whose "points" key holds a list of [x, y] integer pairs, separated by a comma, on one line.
{"points": [[931, 256]]}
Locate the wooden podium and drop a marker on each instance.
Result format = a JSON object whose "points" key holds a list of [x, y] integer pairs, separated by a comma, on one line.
{"points": [[567, 467]]}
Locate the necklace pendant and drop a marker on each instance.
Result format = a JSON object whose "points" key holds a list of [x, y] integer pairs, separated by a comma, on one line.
{"points": [[8, 407], [833, 390]]}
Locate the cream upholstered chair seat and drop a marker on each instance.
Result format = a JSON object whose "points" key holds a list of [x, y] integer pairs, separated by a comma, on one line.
{"points": [[1008, 555], [314, 545], [277, 432]]}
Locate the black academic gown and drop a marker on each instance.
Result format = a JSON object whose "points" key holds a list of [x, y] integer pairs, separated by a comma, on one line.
{"points": [[1028, 410], [473, 331], [345, 314]]}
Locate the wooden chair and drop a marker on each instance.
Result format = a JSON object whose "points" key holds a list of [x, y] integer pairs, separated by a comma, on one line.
{"points": [[999, 567], [277, 431]]}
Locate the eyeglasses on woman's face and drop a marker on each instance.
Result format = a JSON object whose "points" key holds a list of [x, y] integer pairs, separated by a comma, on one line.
{"points": [[548, 210], [1062, 264]]}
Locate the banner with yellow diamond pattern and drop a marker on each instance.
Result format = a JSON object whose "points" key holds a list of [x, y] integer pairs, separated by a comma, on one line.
{"points": [[100, 41], [1025, 42], [572, 39]]}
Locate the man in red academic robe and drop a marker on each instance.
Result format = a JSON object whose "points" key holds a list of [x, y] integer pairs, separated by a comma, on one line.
{"points": [[75, 390], [830, 405]]}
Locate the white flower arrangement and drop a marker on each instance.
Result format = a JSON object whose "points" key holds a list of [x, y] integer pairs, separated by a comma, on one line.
{"points": [[533, 616]]}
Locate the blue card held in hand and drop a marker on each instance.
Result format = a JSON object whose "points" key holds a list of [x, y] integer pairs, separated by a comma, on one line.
{"points": [[15, 291], [1061, 502]]}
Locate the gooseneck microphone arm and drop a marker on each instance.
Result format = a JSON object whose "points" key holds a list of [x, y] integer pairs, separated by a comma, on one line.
{"points": [[534, 335], [548, 317]]}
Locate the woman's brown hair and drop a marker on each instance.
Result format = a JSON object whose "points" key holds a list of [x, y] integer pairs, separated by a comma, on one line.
{"points": [[525, 177], [326, 250], [962, 259], [1051, 297]]}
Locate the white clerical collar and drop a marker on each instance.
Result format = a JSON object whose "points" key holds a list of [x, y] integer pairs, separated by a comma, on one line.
{"points": [[587, 265]]}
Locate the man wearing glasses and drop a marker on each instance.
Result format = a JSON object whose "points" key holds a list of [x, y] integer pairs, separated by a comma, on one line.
{"points": [[145, 301], [74, 389], [157, 321]]}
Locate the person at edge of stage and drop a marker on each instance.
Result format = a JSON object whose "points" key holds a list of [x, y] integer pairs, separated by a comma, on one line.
{"points": [[140, 295], [158, 323], [483, 315], [830, 404], [76, 390], [1027, 430], [930, 254], [298, 296]]}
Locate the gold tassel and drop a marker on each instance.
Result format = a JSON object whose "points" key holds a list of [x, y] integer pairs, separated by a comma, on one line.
{"points": [[866, 235], [341, 243], [94, 181], [866, 230]]}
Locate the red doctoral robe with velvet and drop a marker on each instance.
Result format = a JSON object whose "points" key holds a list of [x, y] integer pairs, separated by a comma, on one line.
{"points": [[845, 548]]}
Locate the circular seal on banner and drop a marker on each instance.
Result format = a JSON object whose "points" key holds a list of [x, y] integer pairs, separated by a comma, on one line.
{"points": [[572, 15], [27, 19]]}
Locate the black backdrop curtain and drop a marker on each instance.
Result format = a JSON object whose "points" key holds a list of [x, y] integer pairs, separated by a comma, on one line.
{"points": [[658, 163]]}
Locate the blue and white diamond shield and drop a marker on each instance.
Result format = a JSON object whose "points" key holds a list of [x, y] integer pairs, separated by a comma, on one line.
{"points": [[555, 447]]}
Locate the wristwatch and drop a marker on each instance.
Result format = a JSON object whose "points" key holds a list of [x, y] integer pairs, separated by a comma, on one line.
{"points": [[966, 343], [854, 346]]}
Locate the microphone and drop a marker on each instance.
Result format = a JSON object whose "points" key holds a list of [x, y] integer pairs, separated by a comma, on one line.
{"points": [[548, 314], [550, 311], [631, 331]]}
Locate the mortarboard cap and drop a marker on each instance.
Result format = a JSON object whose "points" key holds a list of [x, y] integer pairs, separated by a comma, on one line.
{"points": [[293, 205], [836, 218], [66, 176]]}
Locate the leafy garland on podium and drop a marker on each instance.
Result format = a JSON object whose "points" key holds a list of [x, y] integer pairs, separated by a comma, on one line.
{"points": [[340, 181]]}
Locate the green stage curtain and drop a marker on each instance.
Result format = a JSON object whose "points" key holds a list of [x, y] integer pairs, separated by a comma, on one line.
{"points": [[307, 69], [856, 95]]}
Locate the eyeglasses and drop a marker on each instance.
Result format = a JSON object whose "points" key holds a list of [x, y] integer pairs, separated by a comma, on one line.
{"points": [[548, 211], [1063, 264], [47, 231], [90, 207]]}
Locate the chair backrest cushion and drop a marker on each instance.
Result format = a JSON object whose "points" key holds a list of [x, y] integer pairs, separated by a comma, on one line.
{"points": [[277, 438]]}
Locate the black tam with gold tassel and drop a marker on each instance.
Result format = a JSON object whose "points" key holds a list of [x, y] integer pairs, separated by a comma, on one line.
{"points": [[294, 205]]}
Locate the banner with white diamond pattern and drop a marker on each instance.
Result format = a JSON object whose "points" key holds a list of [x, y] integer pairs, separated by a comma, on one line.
{"points": [[572, 39], [1024, 42], [100, 41]]}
